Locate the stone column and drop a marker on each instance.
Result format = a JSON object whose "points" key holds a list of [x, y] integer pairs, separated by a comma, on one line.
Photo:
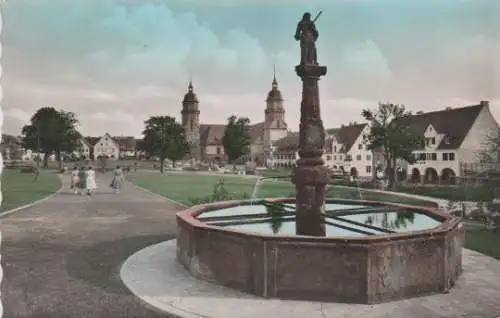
{"points": [[310, 176]]}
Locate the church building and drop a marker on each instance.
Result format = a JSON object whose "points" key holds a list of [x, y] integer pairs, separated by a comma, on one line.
{"points": [[206, 140]]}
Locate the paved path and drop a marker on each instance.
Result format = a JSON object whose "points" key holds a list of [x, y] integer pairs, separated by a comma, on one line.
{"points": [[61, 258], [154, 275]]}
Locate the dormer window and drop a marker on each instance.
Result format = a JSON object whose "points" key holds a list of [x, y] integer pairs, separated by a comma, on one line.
{"points": [[447, 140], [433, 140], [360, 146]]}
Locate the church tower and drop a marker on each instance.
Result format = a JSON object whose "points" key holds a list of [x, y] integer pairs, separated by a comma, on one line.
{"points": [[275, 125], [191, 117]]}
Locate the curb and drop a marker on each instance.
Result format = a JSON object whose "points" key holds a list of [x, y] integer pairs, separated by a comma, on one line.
{"points": [[158, 195], [29, 205]]}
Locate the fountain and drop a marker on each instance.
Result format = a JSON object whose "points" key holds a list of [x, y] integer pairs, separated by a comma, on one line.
{"points": [[307, 248]]}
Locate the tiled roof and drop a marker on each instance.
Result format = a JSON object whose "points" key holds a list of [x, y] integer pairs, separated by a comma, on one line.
{"points": [[347, 135], [256, 131], [454, 123], [211, 134], [91, 141], [126, 143], [288, 143]]}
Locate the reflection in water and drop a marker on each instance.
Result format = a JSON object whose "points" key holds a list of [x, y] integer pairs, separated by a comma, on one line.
{"points": [[276, 212], [392, 220]]}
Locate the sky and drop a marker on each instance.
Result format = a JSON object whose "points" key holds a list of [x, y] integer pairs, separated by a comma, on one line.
{"points": [[116, 62]]}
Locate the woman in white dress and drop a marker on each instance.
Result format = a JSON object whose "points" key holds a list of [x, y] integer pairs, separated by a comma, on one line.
{"points": [[91, 184], [117, 181], [74, 179]]}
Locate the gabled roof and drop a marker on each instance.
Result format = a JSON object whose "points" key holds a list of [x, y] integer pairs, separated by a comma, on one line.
{"points": [[91, 141], [454, 123], [347, 135], [288, 143], [211, 134], [126, 143]]}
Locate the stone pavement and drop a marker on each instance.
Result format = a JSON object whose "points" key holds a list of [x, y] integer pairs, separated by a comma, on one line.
{"points": [[61, 258], [154, 275]]}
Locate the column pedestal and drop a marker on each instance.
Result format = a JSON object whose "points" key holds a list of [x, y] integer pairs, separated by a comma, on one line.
{"points": [[310, 176]]}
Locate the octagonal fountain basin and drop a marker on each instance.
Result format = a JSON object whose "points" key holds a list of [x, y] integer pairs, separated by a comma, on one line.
{"points": [[372, 252]]}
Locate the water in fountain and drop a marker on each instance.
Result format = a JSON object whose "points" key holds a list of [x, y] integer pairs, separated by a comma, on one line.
{"points": [[260, 180], [256, 188]]}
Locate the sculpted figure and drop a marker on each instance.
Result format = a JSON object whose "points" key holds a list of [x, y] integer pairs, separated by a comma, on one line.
{"points": [[307, 34]]}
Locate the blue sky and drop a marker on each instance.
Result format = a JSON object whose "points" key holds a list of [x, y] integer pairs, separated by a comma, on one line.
{"points": [[116, 62]]}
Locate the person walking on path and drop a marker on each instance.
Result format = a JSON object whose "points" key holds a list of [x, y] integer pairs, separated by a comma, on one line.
{"points": [[117, 182], [82, 180], [90, 182], [74, 180]]}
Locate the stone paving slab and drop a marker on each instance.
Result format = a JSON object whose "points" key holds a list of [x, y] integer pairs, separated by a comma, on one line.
{"points": [[154, 276], [61, 258]]}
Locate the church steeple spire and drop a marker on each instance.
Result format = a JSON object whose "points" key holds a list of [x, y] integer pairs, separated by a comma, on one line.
{"points": [[190, 86], [275, 82]]}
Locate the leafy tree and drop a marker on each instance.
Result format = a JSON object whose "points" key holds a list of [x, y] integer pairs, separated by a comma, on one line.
{"points": [[51, 131], [391, 133], [236, 140], [490, 153], [165, 138]]}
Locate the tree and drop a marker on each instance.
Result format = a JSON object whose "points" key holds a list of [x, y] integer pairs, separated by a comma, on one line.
{"points": [[51, 131], [236, 140], [391, 133], [490, 153], [165, 138]]}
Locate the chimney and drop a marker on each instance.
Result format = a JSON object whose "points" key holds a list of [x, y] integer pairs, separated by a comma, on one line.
{"points": [[484, 103]]}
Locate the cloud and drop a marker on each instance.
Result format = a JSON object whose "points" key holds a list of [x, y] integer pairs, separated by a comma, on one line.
{"points": [[116, 62]]}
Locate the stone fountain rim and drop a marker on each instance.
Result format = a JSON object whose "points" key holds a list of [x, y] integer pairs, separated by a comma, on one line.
{"points": [[188, 218]]}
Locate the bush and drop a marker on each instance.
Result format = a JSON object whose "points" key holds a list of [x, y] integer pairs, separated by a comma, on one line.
{"points": [[219, 193]]}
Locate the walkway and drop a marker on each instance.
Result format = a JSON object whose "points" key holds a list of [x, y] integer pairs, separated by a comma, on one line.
{"points": [[154, 275], [61, 258]]}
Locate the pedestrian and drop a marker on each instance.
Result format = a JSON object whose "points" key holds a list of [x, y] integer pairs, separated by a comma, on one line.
{"points": [[82, 180], [74, 179], [117, 182], [90, 182]]}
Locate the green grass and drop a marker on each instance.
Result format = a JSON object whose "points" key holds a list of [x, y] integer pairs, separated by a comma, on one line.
{"points": [[185, 186], [19, 188], [483, 241], [453, 193]]}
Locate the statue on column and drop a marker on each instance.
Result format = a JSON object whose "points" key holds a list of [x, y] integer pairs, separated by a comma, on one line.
{"points": [[307, 34]]}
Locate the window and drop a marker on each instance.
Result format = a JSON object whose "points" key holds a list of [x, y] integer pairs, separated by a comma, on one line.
{"points": [[360, 146], [328, 158], [451, 156], [433, 140], [334, 148], [334, 158], [348, 158], [445, 156], [341, 158], [421, 156], [368, 157], [358, 157], [433, 156], [368, 169]]}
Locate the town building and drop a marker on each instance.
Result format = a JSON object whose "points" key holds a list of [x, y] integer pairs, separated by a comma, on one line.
{"points": [[345, 151], [453, 139], [206, 139]]}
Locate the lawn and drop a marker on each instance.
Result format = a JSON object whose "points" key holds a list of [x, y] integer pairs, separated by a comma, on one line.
{"points": [[19, 188], [453, 193], [484, 241], [187, 186]]}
